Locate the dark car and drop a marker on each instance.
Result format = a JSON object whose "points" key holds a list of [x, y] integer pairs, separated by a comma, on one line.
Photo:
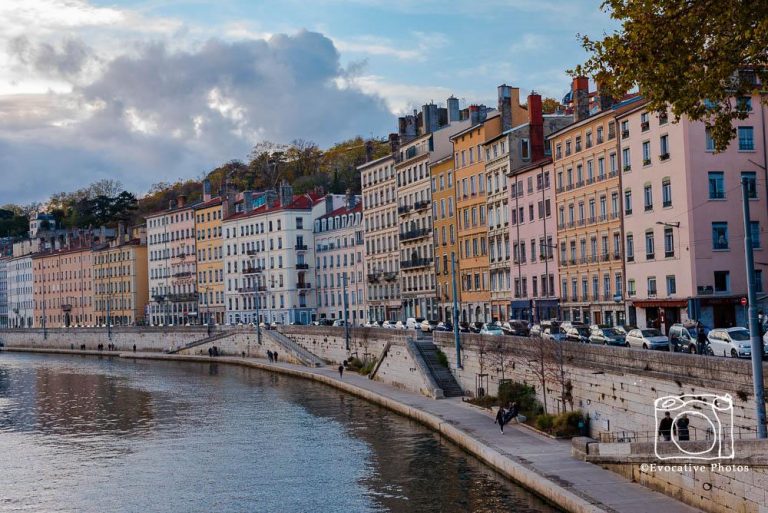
{"points": [[444, 326], [607, 336], [475, 327], [577, 334], [516, 328]]}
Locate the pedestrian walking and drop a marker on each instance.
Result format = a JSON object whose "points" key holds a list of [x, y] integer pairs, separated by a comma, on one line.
{"points": [[341, 371], [269, 355], [665, 427], [500, 415], [512, 414], [680, 427], [274, 356], [701, 339]]}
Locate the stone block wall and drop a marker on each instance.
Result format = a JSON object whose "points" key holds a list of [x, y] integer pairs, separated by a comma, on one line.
{"points": [[145, 338]]}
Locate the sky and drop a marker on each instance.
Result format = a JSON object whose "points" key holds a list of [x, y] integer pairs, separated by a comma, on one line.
{"points": [[146, 91]]}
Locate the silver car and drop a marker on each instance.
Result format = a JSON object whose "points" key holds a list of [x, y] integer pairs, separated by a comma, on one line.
{"points": [[733, 342], [648, 338]]}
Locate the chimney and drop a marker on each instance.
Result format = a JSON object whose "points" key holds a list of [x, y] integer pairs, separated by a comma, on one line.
{"points": [[453, 109], [121, 232], [247, 201], [368, 151], [476, 114], [286, 194], [407, 127], [328, 203], [181, 200], [580, 98], [431, 118], [171, 204], [206, 189], [604, 100], [504, 106], [394, 143], [350, 199], [536, 126]]}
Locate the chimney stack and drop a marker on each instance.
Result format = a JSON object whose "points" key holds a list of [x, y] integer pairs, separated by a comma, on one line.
{"points": [[406, 127], [476, 114], [580, 98], [181, 200], [171, 204], [247, 201], [206, 189], [368, 151], [394, 143], [505, 106], [453, 109], [286, 194], [350, 199], [431, 118], [536, 125]]}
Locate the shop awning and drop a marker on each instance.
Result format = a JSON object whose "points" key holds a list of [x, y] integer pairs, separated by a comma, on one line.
{"points": [[661, 303]]}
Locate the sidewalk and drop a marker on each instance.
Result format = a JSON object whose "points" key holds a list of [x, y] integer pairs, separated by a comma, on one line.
{"points": [[539, 463]]}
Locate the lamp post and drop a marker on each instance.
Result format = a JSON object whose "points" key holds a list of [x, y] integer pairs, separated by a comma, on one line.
{"points": [[346, 312], [456, 336], [754, 328]]}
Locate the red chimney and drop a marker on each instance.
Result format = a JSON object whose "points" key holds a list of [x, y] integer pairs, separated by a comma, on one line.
{"points": [[536, 125], [580, 98]]}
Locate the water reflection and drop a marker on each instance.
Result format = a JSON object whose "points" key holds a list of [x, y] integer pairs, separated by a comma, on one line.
{"points": [[113, 435]]}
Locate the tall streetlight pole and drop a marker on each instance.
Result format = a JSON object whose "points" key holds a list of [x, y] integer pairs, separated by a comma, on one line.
{"points": [[456, 336], [754, 328], [346, 311]]}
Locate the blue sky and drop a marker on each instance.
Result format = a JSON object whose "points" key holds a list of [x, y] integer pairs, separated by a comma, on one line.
{"points": [[157, 90]]}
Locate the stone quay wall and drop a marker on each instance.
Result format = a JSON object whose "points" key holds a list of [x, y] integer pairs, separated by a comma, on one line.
{"points": [[145, 338], [615, 386], [738, 485]]}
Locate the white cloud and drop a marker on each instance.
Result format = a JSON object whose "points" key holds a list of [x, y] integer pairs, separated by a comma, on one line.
{"points": [[400, 98], [417, 47]]}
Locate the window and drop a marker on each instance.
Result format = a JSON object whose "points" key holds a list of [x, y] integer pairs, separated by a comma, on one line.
{"points": [[716, 185], [719, 235], [666, 193], [746, 138], [722, 281], [611, 130], [646, 153], [578, 143], [648, 197], [644, 123], [669, 243], [744, 104], [625, 129], [625, 158], [651, 286], [754, 229], [664, 147], [710, 141], [751, 178], [599, 135], [649, 246], [524, 153], [671, 285], [631, 289], [628, 202], [589, 139], [630, 248]]}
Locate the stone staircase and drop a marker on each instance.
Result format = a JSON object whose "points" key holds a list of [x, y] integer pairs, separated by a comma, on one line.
{"points": [[213, 338], [305, 357], [441, 374]]}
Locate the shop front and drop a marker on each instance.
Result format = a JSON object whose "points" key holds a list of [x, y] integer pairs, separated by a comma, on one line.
{"points": [[659, 313]]}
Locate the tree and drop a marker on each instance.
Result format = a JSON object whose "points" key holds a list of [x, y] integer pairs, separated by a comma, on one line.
{"points": [[550, 106], [693, 56]]}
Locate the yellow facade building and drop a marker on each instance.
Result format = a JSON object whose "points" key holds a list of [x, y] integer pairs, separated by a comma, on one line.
{"points": [[120, 281], [210, 260]]}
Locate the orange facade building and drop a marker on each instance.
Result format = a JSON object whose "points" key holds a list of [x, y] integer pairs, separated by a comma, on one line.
{"points": [[63, 288]]}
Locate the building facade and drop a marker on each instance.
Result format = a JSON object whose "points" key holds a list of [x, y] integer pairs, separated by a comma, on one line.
{"points": [[340, 263], [172, 265], [63, 288], [683, 221], [470, 176], [269, 259], [382, 244], [586, 167], [414, 210], [120, 282], [210, 259], [4, 263]]}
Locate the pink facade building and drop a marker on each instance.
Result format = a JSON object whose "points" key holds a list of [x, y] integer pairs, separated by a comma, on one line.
{"points": [[682, 217]]}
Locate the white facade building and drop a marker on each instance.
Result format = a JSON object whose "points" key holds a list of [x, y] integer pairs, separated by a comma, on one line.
{"points": [[21, 308]]}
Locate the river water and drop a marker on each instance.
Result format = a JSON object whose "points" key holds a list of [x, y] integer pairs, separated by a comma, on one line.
{"points": [[87, 434]]}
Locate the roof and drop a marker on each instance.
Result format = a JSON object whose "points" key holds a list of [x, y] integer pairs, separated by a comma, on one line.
{"points": [[170, 210], [210, 203], [533, 165], [343, 210], [60, 252], [491, 114], [301, 202], [375, 162], [626, 104]]}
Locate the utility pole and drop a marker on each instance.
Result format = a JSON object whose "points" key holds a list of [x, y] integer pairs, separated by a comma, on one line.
{"points": [[45, 330], [456, 336], [545, 285], [754, 328], [346, 312]]}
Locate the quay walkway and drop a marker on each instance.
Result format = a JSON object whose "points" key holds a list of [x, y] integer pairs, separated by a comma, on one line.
{"points": [[541, 464]]}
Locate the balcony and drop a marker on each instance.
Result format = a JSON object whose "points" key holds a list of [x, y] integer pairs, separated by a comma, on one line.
{"points": [[304, 286], [664, 156], [580, 183], [624, 134], [252, 252], [252, 270], [605, 257], [421, 205], [390, 276], [646, 162], [181, 256], [650, 256], [559, 190], [645, 125], [590, 181], [261, 288], [669, 254], [302, 266], [300, 247], [373, 278], [182, 298], [246, 290], [66, 308], [414, 234], [617, 255], [614, 173], [186, 274], [414, 263], [404, 209]]}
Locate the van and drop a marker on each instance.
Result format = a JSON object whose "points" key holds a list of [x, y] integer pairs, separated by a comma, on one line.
{"points": [[683, 338], [411, 323]]}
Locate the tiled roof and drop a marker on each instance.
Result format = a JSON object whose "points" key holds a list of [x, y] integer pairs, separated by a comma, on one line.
{"points": [[301, 202], [343, 210]]}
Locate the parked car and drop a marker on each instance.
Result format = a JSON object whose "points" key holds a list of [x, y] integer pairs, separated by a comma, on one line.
{"points": [[444, 326], [577, 333], [399, 325], [683, 337], [607, 336], [536, 331], [555, 333], [428, 326], [491, 329], [733, 342], [648, 338], [387, 325], [411, 323], [339, 322], [516, 327]]}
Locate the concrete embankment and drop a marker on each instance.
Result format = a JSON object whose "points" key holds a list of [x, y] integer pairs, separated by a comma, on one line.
{"points": [[531, 461]]}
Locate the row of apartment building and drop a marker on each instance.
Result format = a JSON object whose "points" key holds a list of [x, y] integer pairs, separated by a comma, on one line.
{"points": [[603, 213]]}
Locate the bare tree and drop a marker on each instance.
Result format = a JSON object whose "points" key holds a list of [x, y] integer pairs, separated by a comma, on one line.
{"points": [[547, 363], [500, 354]]}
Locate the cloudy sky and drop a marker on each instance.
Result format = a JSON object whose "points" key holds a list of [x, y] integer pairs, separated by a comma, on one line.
{"points": [[144, 91]]}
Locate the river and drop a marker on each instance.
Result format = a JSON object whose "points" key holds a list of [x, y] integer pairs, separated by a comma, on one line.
{"points": [[88, 434]]}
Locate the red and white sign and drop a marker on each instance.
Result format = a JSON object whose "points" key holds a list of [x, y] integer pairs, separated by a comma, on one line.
{"points": [[743, 301]]}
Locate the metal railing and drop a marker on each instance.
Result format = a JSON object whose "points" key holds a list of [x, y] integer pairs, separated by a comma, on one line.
{"points": [[694, 434]]}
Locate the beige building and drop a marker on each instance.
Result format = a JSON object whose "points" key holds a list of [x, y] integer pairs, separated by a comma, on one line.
{"points": [[120, 284], [63, 287], [382, 244], [210, 257]]}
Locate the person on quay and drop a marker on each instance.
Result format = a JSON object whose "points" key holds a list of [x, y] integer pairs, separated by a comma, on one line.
{"points": [[665, 427], [701, 338], [680, 428], [341, 371], [500, 416]]}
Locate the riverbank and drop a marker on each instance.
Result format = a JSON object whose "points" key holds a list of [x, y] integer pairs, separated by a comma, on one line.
{"points": [[542, 465]]}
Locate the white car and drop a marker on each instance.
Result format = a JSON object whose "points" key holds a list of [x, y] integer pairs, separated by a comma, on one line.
{"points": [[555, 333], [399, 325], [733, 342], [491, 329], [387, 325], [411, 323], [428, 326], [649, 338]]}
